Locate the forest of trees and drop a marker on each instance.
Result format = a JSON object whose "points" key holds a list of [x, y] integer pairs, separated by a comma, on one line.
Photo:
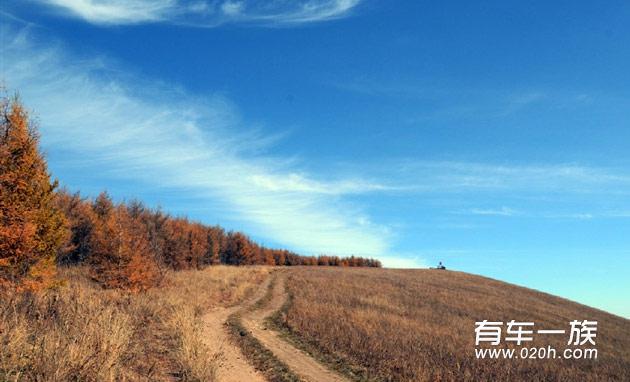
{"points": [[125, 245]]}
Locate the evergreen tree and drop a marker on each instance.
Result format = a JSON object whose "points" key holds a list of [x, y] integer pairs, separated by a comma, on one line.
{"points": [[121, 255], [32, 229], [239, 249], [81, 218]]}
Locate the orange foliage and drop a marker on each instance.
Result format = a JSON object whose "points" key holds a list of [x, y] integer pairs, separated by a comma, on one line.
{"points": [[159, 242], [81, 220], [217, 242], [31, 228], [121, 256], [127, 245], [177, 245], [197, 245], [240, 250]]}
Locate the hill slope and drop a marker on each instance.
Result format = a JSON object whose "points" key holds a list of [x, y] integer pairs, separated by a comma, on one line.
{"points": [[416, 325]]}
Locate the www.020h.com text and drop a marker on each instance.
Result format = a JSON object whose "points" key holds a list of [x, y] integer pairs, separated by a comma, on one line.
{"points": [[548, 352]]}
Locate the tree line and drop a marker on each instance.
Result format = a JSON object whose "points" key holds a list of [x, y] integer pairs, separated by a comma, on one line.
{"points": [[125, 245]]}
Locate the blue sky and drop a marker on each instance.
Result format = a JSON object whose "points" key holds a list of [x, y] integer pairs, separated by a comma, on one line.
{"points": [[494, 137]]}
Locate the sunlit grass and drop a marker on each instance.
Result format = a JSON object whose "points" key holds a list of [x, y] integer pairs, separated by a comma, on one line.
{"points": [[84, 333], [418, 325]]}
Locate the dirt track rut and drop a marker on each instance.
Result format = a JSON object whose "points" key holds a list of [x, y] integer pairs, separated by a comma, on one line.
{"points": [[306, 367], [232, 365]]}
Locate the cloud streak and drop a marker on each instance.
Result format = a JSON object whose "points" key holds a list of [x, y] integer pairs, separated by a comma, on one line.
{"points": [[166, 138], [503, 211], [203, 13], [469, 177]]}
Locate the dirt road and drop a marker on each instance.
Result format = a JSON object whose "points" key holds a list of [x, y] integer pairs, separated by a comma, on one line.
{"points": [[232, 365], [307, 368]]}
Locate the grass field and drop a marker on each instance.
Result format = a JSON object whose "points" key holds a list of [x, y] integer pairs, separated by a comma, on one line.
{"points": [[369, 324], [418, 325], [84, 333]]}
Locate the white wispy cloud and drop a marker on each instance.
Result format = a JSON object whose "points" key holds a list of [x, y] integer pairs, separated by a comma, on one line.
{"points": [[449, 176], [503, 211], [521, 101], [578, 216], [509, 212], [299, 183], [132, 130], [232, 8], [403, 261], [115, 11], [590, 215], [203, 13]]}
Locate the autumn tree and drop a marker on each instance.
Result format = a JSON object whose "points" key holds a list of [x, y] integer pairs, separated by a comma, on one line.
{"points": [[267, 256], [31, 227], [280, 257], [121, 256], [80, 220], [216, 244], [177, 244], [156, 227], [103, 206], [239, 249], [197, 245]]}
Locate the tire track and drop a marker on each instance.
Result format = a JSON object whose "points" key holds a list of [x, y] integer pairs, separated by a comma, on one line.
{"points": [[302, 364]]}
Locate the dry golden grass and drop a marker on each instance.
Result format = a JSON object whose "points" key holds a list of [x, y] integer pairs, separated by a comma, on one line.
{"points": [[418, 325], [186, 296], [68, 336], [84, 333]]}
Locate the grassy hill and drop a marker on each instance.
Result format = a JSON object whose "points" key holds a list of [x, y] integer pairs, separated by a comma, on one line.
{"points": [[418, 325], [370, 324]]}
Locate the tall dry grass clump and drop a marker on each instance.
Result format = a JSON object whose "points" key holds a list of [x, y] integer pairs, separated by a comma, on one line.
{"points": [[418, 325], [195, 360], [74, 335], [81, 332]]}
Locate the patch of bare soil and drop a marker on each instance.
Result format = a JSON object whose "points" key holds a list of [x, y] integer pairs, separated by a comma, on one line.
{"points": [[305, 366], [232, 365]]}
